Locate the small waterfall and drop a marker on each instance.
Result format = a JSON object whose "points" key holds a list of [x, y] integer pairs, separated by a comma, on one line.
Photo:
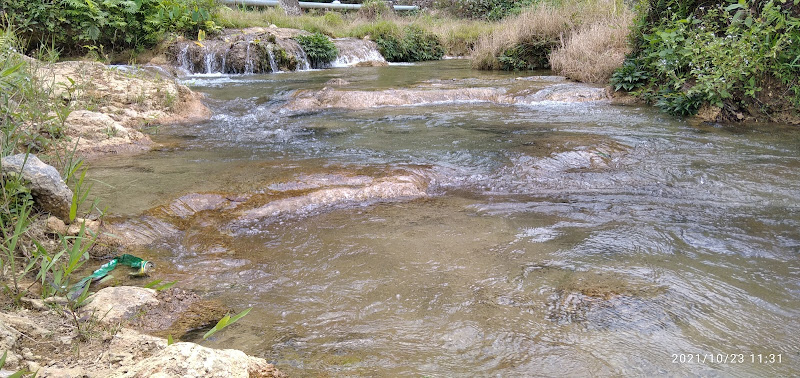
{"points": [[354, 51], [248, 61], [183, 59], [272, 65], [254, 53], [302, 61], [293, 49], [210, 60]]}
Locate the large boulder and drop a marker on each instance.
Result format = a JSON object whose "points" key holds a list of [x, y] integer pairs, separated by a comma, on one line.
{"points": [[192, 360], [48, 189]]}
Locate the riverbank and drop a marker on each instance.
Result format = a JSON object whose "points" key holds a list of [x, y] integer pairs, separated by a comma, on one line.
{"points": [[68, 112]]}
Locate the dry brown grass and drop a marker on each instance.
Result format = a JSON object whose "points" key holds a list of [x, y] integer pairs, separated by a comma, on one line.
{"points": [[593, 53], [543, 24]]}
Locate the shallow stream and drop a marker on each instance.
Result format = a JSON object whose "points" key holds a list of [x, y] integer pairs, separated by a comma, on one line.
{"points": [[544, 239]]}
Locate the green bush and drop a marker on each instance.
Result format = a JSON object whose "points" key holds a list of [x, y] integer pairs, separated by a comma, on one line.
{"points": [[713, 52], [629, 77], [108, 24], [319, 49], [411, 45], [526, 56]]}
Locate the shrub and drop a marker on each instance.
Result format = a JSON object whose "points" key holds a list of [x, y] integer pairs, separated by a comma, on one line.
{"points": [[109, 24], [319, 49], [716, 53], [629, 77], [411, 45]]}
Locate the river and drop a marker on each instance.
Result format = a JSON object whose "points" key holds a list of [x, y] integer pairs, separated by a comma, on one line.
{"points": [[531, 239]]}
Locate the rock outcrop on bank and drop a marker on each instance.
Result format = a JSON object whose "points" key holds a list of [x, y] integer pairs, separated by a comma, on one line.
{"points": [[110, 106], [41, 340]]}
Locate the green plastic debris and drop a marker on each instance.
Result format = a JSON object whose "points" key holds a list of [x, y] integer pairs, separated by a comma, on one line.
{"points": [[143, 268]]}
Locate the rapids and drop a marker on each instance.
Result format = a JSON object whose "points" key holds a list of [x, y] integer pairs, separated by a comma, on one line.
{"points": [[471, 236]]}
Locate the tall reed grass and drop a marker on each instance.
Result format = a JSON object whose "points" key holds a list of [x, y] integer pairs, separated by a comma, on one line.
{"points": [[594, 51], [525, 41]]}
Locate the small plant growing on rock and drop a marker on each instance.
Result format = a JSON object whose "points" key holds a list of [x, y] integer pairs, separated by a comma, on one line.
{"points": [[320, 50], [226, 321]]}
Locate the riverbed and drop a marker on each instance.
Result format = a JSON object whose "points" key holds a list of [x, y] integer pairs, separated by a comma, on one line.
{"points": [[537, 238]]}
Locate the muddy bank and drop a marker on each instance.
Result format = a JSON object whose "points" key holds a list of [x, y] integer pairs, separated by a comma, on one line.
{"points": [[111, 106]]}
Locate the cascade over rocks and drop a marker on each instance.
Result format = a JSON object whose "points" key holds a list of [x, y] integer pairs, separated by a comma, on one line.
{"points": [[264, 50]]}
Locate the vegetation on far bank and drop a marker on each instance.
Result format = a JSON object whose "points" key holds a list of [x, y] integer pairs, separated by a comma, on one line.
{"points": [[80, 26], [734, 59]]}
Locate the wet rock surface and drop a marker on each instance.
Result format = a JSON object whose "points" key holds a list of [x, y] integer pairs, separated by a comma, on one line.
{"points": [[48, 189], [353, 100], [328, 97], [247, 51], [177, 312], [212, 215]]}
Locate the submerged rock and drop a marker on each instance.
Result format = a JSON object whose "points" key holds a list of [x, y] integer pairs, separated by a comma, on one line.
{"points": [[177, 312], [391, 188], [330, 98], [565, 93], [337, 82], [48, 189], [327, 98]]}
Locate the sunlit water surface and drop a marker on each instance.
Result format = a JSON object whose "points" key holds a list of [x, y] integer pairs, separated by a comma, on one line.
{"points": [[556, 239]]}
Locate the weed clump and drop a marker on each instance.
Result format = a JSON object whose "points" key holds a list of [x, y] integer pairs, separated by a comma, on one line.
{"points": [[319, 49], [408, 44]]}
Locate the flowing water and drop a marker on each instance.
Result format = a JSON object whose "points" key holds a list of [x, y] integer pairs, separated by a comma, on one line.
{"points": [[469, 238]]}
